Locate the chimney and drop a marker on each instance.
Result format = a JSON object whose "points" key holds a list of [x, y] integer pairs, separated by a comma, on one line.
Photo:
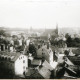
{"points": [[2, 47]]}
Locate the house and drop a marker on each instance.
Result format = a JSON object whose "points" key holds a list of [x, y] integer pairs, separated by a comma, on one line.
{"points": [[12, 61], [72, 65], [44, 72], [46, 53], [38, 73]]}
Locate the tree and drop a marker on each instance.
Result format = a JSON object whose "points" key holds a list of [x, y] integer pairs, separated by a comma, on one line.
{"points": [[77, 40], [69, 41], [32, 49], [67, 35], [2, 32], [66, 52]]}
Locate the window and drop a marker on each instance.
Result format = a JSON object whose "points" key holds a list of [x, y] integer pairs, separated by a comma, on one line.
{"points": [[21, 57], [23, 67], [23, 61]]}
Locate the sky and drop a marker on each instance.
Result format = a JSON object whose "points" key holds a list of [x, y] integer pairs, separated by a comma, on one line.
{"points": [[39, 13]]}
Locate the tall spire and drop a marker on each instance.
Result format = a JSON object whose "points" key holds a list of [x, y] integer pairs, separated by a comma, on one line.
{"points": [[57, 29]]}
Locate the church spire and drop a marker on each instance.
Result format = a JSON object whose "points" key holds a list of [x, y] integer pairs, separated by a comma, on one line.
{"points": [[57, 29]]}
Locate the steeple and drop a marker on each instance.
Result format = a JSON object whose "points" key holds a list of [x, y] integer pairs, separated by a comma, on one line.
{"points": [[57, 29]]}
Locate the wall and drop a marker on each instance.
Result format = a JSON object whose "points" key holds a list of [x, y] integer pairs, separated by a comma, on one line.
{"points": [[21, 64]]}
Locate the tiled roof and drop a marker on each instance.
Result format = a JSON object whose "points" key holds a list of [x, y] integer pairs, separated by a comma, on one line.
{"points": [[12, 55], [45, 72], [47, 65]]}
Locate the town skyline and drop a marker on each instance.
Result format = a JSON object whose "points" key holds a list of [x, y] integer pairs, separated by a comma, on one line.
{"points": [[40, 14]]}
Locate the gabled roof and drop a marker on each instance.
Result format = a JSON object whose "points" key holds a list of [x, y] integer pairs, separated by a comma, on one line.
{"points": [[45, 50]]}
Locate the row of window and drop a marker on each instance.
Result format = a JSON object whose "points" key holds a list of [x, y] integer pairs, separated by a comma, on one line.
{"points": [[21, 57]]}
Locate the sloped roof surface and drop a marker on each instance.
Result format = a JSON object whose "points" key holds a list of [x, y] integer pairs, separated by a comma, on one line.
{"points": [[12, 55], [45, 72], [47, 65]]}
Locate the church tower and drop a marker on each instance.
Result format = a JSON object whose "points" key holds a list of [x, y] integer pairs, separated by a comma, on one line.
{"points": [[57, 30]]}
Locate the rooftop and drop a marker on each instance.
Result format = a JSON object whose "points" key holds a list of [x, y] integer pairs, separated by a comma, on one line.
{"points": [[45, 72], [11, 55], [47, 65]]}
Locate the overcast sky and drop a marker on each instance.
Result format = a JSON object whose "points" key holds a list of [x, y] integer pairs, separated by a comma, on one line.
{"points": [[40, 13]]}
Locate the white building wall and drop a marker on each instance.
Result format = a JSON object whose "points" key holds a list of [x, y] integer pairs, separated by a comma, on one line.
{"points": [[51, 57], [20, 42], [11, 49], [21, 64], [27, 42]]}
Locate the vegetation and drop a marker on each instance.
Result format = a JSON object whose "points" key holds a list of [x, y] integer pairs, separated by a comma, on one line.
{"points": [[32, 49], [71, 42], [3, 40]]}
